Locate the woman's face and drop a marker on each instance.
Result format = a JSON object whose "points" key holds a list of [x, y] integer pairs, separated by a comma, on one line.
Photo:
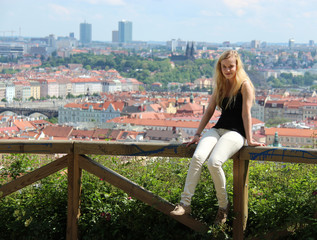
{"points": [[229, 68]]}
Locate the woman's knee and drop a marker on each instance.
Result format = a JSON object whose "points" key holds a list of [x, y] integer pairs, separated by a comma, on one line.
{"points": [[214, 163], [198, 158]]}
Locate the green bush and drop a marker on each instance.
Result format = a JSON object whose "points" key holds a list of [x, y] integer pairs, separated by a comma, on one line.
{"points": [[282, 197]]}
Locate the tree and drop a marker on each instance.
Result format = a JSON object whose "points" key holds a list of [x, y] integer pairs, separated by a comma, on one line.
{"points": [[257, 78], [275, 121], [53, 120], [69, 95], [274, 82]]}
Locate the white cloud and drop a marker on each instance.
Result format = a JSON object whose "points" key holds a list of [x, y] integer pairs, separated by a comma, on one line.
{"points": [[98, 16], [60, 10], [240, 7], [309, 14], [108, 2], [207, 13], [240, 3]]}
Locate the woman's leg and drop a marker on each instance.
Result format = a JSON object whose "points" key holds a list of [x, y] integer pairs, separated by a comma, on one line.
{"points": [[228, 144], [202, 152]]}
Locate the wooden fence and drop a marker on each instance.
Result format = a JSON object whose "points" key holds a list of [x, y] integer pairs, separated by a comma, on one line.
{"points": [[76, 161]]}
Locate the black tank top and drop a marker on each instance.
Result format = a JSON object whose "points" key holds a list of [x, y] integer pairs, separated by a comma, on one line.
{"points": [[231, 117]]}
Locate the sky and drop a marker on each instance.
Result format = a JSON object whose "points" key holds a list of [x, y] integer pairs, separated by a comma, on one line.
{"points": [[215, 21]]}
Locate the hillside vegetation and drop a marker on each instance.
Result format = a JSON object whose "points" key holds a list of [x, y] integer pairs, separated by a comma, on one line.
{"points": [[282, 202]]}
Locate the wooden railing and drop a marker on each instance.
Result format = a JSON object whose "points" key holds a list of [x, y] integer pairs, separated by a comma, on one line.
{"points": [[76, 161]]}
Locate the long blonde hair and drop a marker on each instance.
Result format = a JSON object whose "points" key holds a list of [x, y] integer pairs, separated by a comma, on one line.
{"points": [[220, 83]]}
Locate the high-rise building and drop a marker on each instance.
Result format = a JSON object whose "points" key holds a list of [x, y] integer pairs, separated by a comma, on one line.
{"points": [[85, 33], [255, 44], [125, 31], [115, 36], [291, 43], [311, 43], [51, 41]]}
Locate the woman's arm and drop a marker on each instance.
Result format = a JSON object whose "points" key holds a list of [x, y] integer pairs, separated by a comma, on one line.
{"points": [[205, 119], [247, 96]]}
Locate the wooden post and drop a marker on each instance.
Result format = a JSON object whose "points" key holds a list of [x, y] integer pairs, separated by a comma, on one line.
{"points": [[240, 196], [74, 190]]}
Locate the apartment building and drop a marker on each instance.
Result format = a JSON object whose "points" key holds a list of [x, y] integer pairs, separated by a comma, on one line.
{"points": [[10, 91], [162, 124], [273, 109], [89, 112], [22, 90], [257, 111], [111, 86], [292, 137], [86, 85], [130, 84], [203, 83], [64, 87], [2, 90], [48, 87], [35, 89], [309, 110], [293, 111]]}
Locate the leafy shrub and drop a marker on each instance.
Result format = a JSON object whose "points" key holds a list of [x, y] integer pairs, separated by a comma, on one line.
{"points": [[282, 197]]}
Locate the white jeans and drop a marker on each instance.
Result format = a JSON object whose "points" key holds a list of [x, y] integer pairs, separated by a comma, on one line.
{"points": [[216, 145]]}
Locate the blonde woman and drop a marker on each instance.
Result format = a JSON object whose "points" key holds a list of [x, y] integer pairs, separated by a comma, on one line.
{"points": [[234, 95]]}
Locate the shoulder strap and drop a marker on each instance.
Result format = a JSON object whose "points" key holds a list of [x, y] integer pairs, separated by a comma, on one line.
{"points": [[241, 85]]}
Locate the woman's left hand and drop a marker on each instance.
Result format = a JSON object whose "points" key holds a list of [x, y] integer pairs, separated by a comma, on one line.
{"points": [[255, 144]]}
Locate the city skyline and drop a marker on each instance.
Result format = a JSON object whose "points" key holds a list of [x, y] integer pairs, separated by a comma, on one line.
{"points": [[161, 20]]}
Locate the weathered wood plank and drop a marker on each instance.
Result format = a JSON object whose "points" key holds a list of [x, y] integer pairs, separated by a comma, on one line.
{"points": [[151, 149], [134, 149], [138, 192], [240, 196], [74, 191], [30, 146], [34, 176], [293, 155]]}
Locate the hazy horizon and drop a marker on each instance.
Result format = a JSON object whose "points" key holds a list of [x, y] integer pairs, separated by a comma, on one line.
{"points": [[213, 21]]}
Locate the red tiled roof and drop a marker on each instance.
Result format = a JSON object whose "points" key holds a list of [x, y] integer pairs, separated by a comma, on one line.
{"points": [[24, 125], [156, 107], [114, 134], [149, 115], [256, 121], [291, 132], [57, 131], [191, 107], [100, 133], [41, 123], [96, 106], [9, 129], [123, 135], [73, 105], [159, 123], [82, 133], [81, 80]]}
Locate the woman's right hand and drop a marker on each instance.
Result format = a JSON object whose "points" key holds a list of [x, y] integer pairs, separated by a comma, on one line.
{"points": [[194, 140]]}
